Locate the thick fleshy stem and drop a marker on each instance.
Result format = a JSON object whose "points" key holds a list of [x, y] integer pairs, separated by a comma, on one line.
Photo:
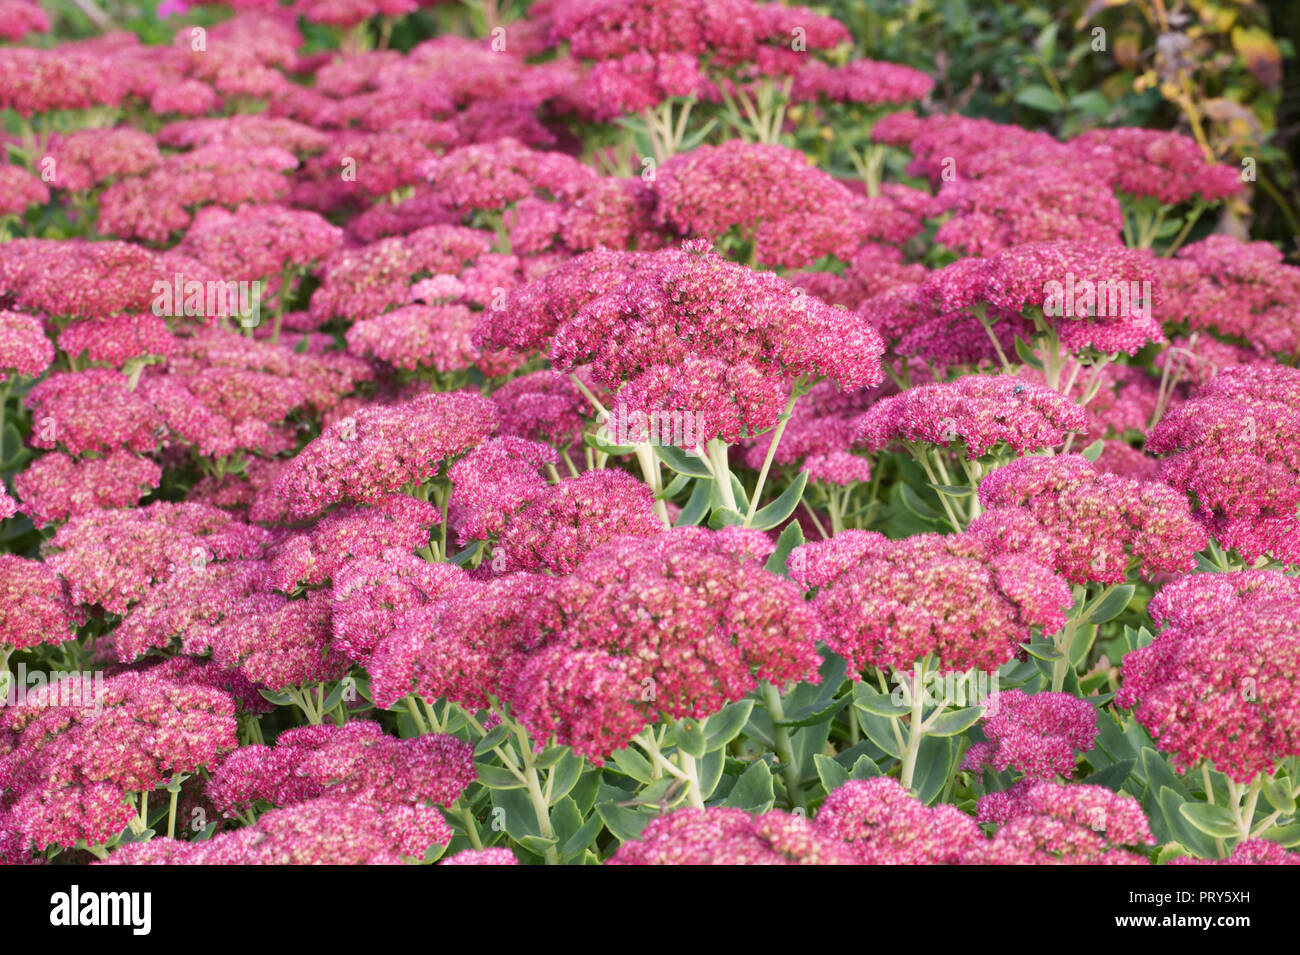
{"points": [[915, 725], [784, 748], [541, 807], [771, 454], [722, 472]]}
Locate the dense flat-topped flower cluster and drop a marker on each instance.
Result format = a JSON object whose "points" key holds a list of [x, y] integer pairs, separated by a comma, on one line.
{"points": [[513, 435]]}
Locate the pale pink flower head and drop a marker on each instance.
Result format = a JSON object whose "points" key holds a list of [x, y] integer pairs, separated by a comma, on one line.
{"points": [[89, 157], [56, 487], [870, 82], [498, 174], [983, 412], [24, 348], [889, 603], [1218, 682], [19, 18], [494, 856], [376, 451], [117, 339], [1035, 735], [430, 336], [722, 836], [20, 189], [92, 410], [34, 604], [80, 749], [1248, 852], [41, 81], [1094, 518], [883, 824]]}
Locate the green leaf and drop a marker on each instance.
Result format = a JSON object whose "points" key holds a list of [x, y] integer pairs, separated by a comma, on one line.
{"points": [[1112, 606], [955, 722], [465, 556], [564, 775], [865, 768], [725, 725], [11, 443], [1092, 103], [698, 504], [674, 487], [869, 700], [1288, 837], [753, 791], [594, 440], [708, 770], [582, 838], [1026, 354], [536, 844], [1040, 98], [493, 739], [625, 822], [831, 773], [513, 809], [1214, 821], [790, 538], [1043, 651], [1093, 451], [565, 820], [1278, 794], [279, 699], [1113, 776], [933, 767], [725, 517], [495, 777], [632, 763], [914, 503], [680, 461], [779, 511], [880, 730], [954, 490], [689, 736]]}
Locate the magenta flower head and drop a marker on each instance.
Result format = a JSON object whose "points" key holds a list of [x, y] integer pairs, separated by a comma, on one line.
{"points": [[889, 603], [981, 411], [92, 410], [557, 527], [24, 348], [325, 831], [1242, 289], [56, 487], [466, 646], [20, 189], [1043, 823], [34, 604], [543, 406], [365, 282], [700, 399], [1092, 294], [722, 836], [1218, 683], [89, 157], [1166, 165], [40, 81], [1234, 446], [371, 594], [767, 196], [111, 558], [259, 242], [19, 18], [691, 303], [869, 82], [495, 175], [697, 622], [492, 482], [884, 824], [482, 857], [117, 339], [1093, 520], [432, 336], [79, 748], [376, 451], [1248, 852], [353, 761], [1035, 735]]}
